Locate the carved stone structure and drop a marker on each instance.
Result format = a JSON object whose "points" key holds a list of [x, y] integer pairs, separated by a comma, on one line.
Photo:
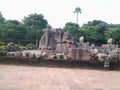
{"points": [[48, 40], [57, 44], [62, 44], [56, 40]]}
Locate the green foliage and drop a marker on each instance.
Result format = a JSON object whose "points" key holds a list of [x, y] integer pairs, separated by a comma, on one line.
{"points": [[11, 43], [109, 33], [90, 33], [15, 29], [35, 23], [2, 26], [49, 26], [116, 35], [2, 47], [2, 43], [73, 28], [100, 26], [77, 10], [2, 19], [113, 32], [31, 28], [22, 47], [31, 45], [95, 23], [28, 30], [94, 31]]}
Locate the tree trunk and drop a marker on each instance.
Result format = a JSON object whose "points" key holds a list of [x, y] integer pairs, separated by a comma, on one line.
{"points": [[77, 18]]}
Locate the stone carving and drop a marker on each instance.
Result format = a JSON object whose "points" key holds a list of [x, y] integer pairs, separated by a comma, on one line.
{"points": [[81, 40], [110, 40]]}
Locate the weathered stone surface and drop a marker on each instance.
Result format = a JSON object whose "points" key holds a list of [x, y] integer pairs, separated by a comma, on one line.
{"points": [[57, 40], [86, 54], [111, 46], [48, 40], [79, 54], [59, 35], [59, 47], [19, 54]]}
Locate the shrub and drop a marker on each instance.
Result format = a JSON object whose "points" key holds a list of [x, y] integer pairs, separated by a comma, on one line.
{"points": [[2, 47], [2, 43], [32, 45], [22, 47], [11, 43]]}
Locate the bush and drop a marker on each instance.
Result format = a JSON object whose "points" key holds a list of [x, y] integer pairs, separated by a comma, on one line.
{"points": [[11, 43], [32, 45], [2, 43], [2, 47], [22, 47]]}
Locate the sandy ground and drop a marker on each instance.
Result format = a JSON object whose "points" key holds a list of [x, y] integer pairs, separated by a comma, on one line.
{"points": [[13, 77]]}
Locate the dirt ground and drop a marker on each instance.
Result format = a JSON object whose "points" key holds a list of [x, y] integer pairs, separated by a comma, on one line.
{"points": [[18, 77]]}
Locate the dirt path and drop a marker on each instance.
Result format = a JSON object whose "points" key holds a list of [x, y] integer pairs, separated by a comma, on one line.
{"points": [[51, 78]]}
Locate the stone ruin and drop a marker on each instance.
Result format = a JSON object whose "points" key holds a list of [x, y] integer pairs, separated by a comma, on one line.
{"points": [[62, 45], [112, 49], [57, 44], [56, 40]]}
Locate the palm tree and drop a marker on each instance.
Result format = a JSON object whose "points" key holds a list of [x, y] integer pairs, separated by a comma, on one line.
{"points": [[77, 10]]}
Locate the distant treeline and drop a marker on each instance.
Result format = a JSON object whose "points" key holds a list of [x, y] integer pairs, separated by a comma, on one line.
{"points": [[30, 30]]}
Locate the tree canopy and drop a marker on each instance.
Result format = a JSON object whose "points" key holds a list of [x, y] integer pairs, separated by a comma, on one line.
{"points": [[2, 19], [73, 28], [30, 30]]}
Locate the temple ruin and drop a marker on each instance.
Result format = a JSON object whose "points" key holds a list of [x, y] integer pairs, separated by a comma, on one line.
{"points": [[57, 44], [62, 45]]}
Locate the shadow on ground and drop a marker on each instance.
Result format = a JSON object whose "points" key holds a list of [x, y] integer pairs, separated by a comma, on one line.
{"points": [[57, 63]]}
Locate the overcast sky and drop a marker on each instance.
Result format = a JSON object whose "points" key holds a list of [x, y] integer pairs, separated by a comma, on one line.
{"points": [[59, 12]]}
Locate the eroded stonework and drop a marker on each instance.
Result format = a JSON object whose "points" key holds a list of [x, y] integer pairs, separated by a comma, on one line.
{"points": [[56, 40], [57, 44], [61, 43]]}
